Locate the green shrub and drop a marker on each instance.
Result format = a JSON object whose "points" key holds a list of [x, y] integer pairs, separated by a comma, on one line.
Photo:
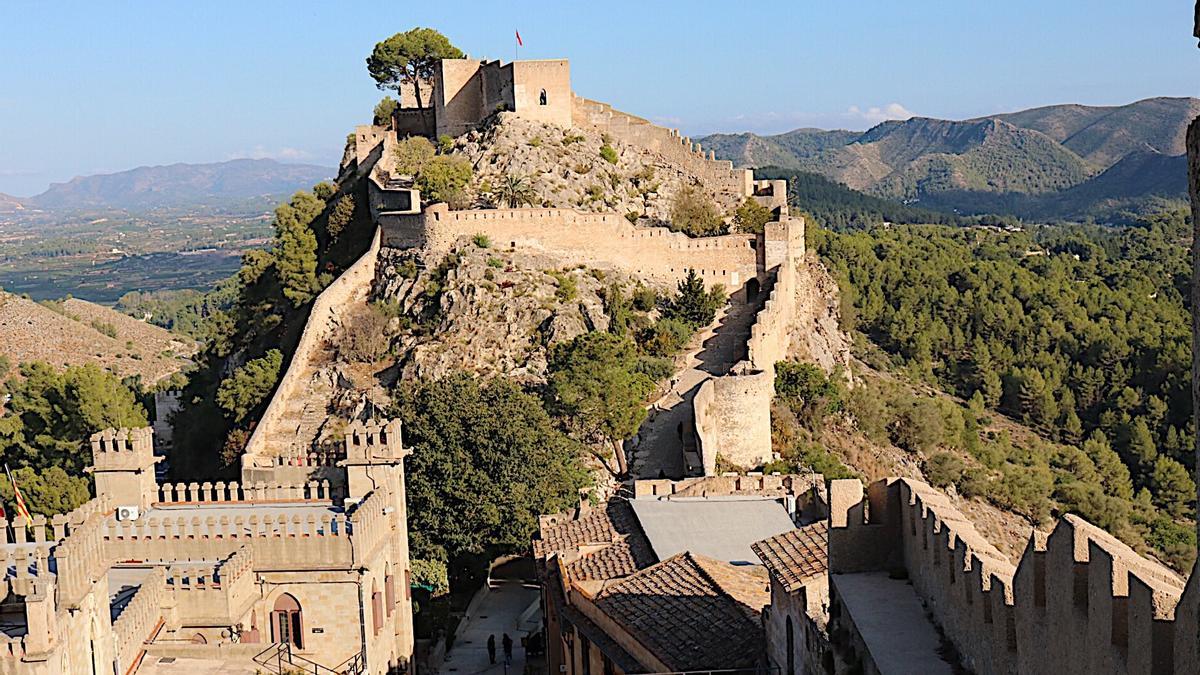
{"points": [[535, 142], [695, 214], [693, 304], [384, 111], [608, 154], [105, 328], [751, 216], [445, 143], [443, 178], [666, 337], [481, 240]]}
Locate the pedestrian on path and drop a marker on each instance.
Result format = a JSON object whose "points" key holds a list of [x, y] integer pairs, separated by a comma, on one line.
{"points": [[492, 649], [508, 644]]}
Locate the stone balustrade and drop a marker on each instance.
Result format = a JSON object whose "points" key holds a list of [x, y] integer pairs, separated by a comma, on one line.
{"points": [[234, 492]]}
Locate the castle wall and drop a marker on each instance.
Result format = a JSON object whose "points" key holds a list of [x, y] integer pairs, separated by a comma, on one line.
{"points": [[351, 286], [597, 239], [732, 414], [458, 96], [718, 174], [1079, 601]]}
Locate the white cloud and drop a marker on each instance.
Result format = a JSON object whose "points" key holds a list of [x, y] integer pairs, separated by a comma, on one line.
{"points": [[285, 154], [876, 114], [774, 121]]}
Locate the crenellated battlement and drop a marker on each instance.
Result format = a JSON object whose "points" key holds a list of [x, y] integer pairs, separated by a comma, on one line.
{"points": [[1079, 600], [373, 441], [234, 492], [122, 449]]}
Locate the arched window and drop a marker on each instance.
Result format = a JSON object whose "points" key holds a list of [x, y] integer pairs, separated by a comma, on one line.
{"points": [[542, 98], [389, 593], [376, 608], [791, 648], [287, 623]]}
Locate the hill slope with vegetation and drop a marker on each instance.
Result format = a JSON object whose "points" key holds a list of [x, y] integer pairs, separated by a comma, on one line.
{"points": [[74, 332], [1080, 333], [1051, 163]]}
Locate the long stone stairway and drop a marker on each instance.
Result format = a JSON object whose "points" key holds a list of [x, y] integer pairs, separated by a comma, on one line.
{"points": [[665, 445]]}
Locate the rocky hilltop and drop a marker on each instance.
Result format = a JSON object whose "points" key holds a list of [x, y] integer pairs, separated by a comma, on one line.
{"points": [[567, 168], [490, 311]]}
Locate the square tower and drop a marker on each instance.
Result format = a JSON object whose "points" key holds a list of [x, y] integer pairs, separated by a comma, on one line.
{"points": [[123, 466]]}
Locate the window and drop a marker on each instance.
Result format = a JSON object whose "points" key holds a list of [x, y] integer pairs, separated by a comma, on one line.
{"points": [[791, 647], [376, 608], [287, 624], [389, 591], [585, 655], [542, 98]]}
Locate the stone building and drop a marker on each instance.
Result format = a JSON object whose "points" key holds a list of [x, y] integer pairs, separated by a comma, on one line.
{"points": [[464, 92], [152, 577], [666, 581]]}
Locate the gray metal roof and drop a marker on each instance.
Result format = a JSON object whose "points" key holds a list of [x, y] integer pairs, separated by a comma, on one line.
{"points": [[722, 529]]}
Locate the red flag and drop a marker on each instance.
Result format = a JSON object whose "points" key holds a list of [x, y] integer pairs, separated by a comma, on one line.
{"points": [[519, 42]]}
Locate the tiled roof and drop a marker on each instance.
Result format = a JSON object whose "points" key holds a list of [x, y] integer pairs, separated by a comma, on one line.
{"points": [[615, 560], [609, 539], [692, 612], [796, 555]]}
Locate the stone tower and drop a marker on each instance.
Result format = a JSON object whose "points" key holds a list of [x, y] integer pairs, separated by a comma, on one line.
{"points": [[375, 463], [123, 465]]}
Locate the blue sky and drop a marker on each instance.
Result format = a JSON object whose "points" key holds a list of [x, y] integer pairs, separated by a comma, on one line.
{"points": [[88, 87]]}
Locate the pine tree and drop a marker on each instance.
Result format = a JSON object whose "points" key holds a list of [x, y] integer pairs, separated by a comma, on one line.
{"points": [[1173, 488], [296, 247]]}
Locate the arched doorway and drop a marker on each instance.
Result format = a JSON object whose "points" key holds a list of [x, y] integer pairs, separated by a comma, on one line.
{"points": [[542, 100], [287, 622], [752, 289]]}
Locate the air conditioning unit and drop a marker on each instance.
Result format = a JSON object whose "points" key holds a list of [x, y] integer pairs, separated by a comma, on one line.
{"points": [[128, 513]]}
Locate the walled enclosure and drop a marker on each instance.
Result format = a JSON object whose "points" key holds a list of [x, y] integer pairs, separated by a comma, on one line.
{"points": [[731, 413], [1079, 600], [209, 559]]}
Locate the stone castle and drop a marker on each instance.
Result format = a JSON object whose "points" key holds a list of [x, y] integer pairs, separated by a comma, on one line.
{"points": [[304, 563], [296, 575]]}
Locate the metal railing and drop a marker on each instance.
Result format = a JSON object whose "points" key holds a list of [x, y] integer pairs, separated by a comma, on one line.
{"points": [[283, 660]]}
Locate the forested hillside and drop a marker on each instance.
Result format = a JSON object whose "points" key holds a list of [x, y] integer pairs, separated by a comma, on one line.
{"points": [[1082, 333], [1063, 162]]}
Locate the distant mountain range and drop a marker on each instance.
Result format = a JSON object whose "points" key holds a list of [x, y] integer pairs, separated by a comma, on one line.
{"points": [[176, 185], [1062, 161]]}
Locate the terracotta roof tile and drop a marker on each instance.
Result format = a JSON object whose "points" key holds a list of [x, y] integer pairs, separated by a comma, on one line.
{"points": [[604, 543], [693, 612], [796, 555]]}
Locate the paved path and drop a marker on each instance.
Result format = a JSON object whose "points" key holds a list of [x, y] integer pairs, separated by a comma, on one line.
{"points": [[508, 605], [664, 441]]}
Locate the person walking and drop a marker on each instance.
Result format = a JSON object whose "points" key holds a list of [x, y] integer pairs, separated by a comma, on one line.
{"points": [[492, 649], [508, 644]]}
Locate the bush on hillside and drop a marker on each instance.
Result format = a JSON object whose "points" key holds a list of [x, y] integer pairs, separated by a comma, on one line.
{"points": [[695, 214]]}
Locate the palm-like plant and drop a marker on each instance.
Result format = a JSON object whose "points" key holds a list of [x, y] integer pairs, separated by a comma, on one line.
{"points": [[515, 191]]}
